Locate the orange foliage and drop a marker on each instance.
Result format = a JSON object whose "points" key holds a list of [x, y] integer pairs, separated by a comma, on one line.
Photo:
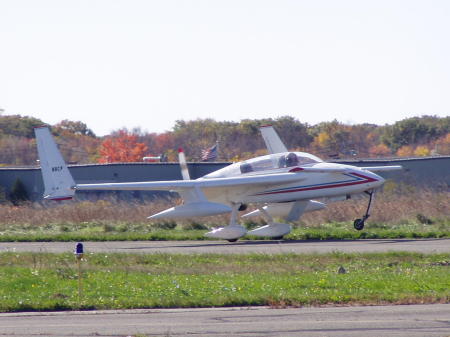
{"points": [[163, 142], [379, 150], [405, 151], [122, 148], [443, 145]]}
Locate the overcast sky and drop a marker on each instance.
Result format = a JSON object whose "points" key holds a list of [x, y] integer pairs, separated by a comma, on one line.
{"points": [[114, 63]]}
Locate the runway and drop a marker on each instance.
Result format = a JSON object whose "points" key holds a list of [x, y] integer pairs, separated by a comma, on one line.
{"points": [[426, 246], [371, 321]]}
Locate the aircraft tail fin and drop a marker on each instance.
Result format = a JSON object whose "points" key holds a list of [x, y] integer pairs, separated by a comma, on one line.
{"points": [[272, 140], [58, 182]]}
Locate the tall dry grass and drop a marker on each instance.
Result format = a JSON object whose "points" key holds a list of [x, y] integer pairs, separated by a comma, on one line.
{"points": [[102, 211], [388, 207]]}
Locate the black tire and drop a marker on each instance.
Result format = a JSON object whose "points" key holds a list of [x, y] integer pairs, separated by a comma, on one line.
{"points": [[358, 224], [278, 237], [232, 240], [243, 207]]}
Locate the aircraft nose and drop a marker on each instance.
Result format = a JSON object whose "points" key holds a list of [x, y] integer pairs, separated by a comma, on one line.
{"points": [[377, 180]]}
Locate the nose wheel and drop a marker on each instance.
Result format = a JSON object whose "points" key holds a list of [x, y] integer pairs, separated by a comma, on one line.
{"points": [[359, 223]]}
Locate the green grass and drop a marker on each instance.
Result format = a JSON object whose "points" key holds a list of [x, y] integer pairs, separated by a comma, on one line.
{"points": [[87, 231], [32, 281], [157, 235], [345, 231]]}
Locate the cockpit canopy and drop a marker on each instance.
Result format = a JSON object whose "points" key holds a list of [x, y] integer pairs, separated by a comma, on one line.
{"points": [[267, 163], [275, 161]]}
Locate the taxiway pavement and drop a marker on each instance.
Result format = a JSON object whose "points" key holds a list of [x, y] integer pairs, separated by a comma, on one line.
{"points": [[370, 321]]}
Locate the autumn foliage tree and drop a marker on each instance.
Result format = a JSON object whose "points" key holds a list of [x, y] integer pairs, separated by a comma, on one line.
{"points": [[78, 143], [443, 145], [405, 151], [17, 145], [380, 150], [415, 136], [122, 147]]}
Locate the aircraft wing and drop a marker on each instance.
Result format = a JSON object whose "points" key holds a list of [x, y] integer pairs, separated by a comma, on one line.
{"points": [[382, 168], [330, 169], [180, 185]]}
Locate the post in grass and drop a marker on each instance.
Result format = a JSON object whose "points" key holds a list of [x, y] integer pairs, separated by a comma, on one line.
{"points": [[79, 252]]}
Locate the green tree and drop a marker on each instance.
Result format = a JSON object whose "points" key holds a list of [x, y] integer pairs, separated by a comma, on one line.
{"points": [[415, 131], [78, 143], [74, 127], [237, 138], [16, 125], [332, 138], [293, 133], [18, 193]]}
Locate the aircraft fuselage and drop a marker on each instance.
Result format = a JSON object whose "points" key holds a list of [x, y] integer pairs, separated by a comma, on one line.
{"points": [[310, 185]]}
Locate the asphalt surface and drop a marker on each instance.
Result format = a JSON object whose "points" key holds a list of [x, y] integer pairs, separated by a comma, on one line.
{"points": [[407, 321], [240, 247]]}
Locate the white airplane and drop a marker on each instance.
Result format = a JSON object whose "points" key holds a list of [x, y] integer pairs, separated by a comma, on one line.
{"points": [[281, 184]]}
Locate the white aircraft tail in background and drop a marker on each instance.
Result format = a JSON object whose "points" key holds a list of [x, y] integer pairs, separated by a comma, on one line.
{"points": [[58, 182]]}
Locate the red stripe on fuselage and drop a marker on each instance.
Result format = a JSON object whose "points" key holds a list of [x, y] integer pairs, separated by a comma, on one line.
{"points": [[367, 180]]}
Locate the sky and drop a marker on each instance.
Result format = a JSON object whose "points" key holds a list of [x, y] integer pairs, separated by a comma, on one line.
{"points": [[144, 63]]}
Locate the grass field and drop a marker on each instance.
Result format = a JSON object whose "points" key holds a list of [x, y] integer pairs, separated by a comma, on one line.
{"points": [[397, 213], [147, 232], [50, 281]]}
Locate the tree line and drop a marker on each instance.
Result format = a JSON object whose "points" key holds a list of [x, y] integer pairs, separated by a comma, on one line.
{"points": [[415, 136]]}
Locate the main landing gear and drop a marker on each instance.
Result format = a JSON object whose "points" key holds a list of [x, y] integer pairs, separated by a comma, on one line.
{"points": [[273, 229], [359, 223], [233, 231]]}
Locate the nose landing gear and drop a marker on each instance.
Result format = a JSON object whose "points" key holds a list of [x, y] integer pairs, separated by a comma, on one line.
{"points": [[359, 223]]}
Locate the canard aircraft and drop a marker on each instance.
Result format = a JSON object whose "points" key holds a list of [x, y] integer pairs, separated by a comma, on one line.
{"points": [[281, 184]]}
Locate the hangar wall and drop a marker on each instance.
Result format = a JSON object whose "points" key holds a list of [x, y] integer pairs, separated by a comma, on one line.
{"points": [[429, 171], [432, 171]]}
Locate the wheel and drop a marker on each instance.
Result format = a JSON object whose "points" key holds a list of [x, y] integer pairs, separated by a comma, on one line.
{"points": [[358, 224], [232, 240], [278, 237], [243, 207]]}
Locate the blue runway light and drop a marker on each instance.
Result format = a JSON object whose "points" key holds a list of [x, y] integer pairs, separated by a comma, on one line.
{"points": [[79, 248]]}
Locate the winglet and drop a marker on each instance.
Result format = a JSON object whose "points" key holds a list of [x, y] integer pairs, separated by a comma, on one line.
{"points": [[272, 140], [58, 182]]}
